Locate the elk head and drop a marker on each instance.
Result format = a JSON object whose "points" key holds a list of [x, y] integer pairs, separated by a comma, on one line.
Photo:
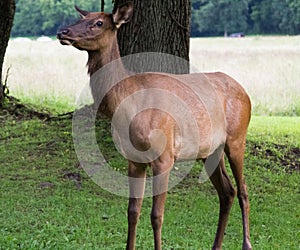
{"points": [[95, 30]]}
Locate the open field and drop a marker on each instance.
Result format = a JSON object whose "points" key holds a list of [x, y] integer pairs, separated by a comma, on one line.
{"points": [[48, 202], [268, 67]]}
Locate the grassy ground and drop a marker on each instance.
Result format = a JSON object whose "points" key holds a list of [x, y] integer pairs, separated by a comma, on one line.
{"points": [[268, 67], [48, 202]]}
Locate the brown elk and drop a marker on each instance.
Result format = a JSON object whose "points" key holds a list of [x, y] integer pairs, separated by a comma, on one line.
{"points": [[96, 33]]}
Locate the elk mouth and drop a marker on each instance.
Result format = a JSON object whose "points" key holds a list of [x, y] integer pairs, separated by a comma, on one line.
{"points": [[64, 38], [65, 41]]}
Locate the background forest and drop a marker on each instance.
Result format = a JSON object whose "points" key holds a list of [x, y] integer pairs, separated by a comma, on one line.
{"points": [[209, 17]]}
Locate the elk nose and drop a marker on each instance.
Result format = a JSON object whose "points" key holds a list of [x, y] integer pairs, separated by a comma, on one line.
{"points": [[62, 33]]}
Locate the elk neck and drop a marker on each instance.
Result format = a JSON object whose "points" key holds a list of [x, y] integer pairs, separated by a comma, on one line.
{"points": [[99, 58], [106, 93]]}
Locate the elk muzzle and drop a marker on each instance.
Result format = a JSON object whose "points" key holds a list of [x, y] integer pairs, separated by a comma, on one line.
{"points": [[62, 36]]}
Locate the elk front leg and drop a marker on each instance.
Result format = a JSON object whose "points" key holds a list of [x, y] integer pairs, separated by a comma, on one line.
{"points": [[136, 175], [161, 169]]}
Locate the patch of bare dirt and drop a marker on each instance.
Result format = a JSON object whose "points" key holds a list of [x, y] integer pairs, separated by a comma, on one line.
{"points": [[289, 158]]}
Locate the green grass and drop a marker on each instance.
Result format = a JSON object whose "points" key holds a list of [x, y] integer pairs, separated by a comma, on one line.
{"points": [[50, 104], [279, 130], [43, 207], [48, 202]]}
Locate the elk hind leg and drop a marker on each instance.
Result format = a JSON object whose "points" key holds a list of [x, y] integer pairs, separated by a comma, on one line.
{"points": [[235, 154], [226, 193]]}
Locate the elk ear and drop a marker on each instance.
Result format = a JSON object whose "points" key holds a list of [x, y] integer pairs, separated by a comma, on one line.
{"points": [[82, 13], [123, 14]]}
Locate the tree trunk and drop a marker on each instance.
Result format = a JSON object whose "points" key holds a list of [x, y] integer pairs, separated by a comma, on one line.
{"points": [[158, 26], [7, 12]]}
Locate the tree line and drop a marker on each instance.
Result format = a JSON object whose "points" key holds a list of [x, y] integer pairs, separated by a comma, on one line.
{"points": [[216, 17], [45, 17], [209, 17]]}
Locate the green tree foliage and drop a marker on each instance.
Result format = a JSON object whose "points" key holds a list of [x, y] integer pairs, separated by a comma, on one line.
{"points": [[276, 16], [45, 17], [209, 17], [214, 17], [219, 16]]}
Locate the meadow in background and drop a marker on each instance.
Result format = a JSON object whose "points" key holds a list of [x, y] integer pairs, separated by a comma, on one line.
{"points": [[50, 75]]}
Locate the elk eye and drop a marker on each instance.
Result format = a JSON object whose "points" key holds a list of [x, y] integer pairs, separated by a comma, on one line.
{"points": [[99, 23]]}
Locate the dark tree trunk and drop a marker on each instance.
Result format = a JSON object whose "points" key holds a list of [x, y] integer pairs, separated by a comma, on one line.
{"points": [[158, 26], [7, 12], [102, 5]]}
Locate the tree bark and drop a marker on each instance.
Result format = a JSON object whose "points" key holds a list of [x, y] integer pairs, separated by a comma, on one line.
{"points": [[158, 26], [7, 12]]}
